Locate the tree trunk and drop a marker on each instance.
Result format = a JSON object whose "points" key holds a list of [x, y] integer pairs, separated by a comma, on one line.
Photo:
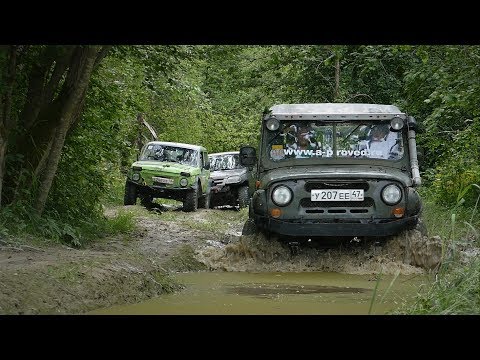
{"points": [[6, 122], [36, 86], [35, 120], [73, 89]]}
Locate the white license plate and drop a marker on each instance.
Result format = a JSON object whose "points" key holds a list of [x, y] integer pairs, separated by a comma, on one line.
{"points": [[162, 180], [337, 195]]}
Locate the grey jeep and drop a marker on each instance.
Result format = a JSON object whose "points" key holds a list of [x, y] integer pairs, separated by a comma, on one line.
{"points": [[229, 180], [334, 170]]}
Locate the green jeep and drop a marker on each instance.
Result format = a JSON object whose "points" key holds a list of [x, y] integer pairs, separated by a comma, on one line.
{"points": [[334, 170], [170, 171]]}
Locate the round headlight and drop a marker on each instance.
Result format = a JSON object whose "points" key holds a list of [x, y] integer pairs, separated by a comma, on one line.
{"points": [[282, 195], [272, 124], [396, 124], [391, 194], [136, 177], [183, 182]]}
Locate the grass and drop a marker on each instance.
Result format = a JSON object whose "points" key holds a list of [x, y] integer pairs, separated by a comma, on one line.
{"points": [[16, 226], [451, 223], [456, 289]]}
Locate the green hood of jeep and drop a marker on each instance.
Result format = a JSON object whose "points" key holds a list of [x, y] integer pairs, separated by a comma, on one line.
{"points": [[165, 167], [165, 170]]}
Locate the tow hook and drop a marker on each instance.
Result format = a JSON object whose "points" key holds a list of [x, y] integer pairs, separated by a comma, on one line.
{"points": [[293, 245]]}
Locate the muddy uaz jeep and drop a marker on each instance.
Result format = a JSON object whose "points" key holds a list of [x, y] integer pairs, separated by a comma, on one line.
{"points": [[171, 171], [333, 170]]}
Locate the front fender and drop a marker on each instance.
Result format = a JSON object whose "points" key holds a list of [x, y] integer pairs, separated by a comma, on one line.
{"points": [[259, 202]]}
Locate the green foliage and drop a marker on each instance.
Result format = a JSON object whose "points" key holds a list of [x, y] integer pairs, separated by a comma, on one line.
{"points": [[20, 218], [453, 178], [455, 291], [438, 218]]}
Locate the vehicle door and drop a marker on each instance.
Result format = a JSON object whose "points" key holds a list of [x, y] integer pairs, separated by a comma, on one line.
{"points": [[204, 171]]}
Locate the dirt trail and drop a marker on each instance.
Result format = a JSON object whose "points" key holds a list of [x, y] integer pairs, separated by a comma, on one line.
{"points": [[58, 279]]}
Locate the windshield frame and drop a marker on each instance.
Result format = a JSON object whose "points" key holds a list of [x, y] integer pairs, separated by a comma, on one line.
{"points": [[193, 154]]}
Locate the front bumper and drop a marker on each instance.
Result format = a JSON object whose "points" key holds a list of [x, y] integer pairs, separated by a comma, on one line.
{"points": [[378, 227], [175, 193]]}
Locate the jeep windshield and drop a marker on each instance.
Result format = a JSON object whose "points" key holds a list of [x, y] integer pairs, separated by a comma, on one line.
{"points": [[319, 139], [168, 153], [225, 162]]}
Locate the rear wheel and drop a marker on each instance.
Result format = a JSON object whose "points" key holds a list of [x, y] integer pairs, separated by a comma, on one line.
{"points": [[243, 198], [190, 203], [130, 197]]}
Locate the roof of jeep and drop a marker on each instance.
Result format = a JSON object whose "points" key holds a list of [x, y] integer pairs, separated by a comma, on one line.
{"points": [[186, 146], [225, 153], [335, 111]]}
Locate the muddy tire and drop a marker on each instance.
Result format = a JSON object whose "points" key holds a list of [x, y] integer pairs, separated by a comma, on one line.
{"points": [[190, 203], [243, 198], [130, 197], [204, 201], [249, 228], [146, 200]]}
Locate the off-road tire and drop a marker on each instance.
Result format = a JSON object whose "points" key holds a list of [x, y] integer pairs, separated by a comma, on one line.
{"points": [[130, 197], [243, 198], [146, 200], [249, 228], [190, 203], [204, 201]]}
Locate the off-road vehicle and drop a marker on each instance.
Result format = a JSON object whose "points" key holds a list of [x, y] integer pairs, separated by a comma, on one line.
{"points": [[229, 180], [334, 170], [171, 171]]}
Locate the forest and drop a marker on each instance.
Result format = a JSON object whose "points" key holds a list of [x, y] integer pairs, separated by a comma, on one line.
{"points": [[68, 119]]}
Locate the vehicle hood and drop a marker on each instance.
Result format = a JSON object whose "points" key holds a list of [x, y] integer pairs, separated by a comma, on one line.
{"points": [[222, 174], [166, 167], [335, 172]]}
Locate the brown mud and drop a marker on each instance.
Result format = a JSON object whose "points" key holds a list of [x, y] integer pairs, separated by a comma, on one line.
{"points": [[57, 279]]}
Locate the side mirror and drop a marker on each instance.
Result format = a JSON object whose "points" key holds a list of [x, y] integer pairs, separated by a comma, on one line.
{"points": [[415, 125], [207, 166], [248, 156]]}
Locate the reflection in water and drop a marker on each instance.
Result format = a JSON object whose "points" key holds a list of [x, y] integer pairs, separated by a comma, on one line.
{"points": [[267, 290], [236, 293]]}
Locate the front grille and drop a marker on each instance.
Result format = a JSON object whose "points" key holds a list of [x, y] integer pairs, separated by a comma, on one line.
{"points": [[307, 203], [218, 181], [317, 185]]}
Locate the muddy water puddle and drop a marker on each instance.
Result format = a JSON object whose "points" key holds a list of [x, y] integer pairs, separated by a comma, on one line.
{"points": [[236, 293]]}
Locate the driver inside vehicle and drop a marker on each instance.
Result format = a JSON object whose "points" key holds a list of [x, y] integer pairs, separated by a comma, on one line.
{"points": [[379, 145]]}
